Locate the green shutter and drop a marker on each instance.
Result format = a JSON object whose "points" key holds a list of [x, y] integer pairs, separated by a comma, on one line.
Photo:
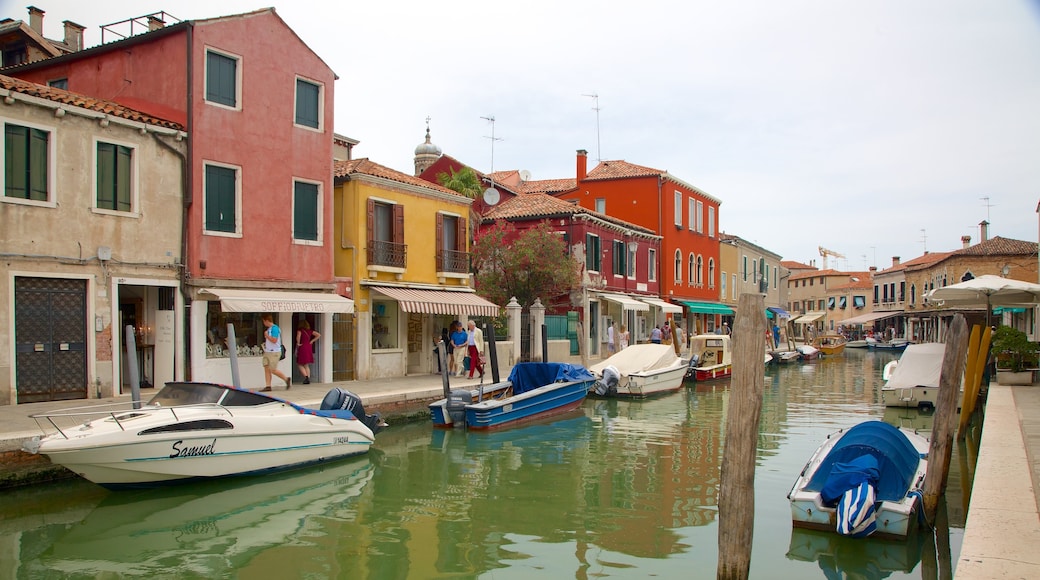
{"points": [[221, 79], [106, 176], [25, 162], [123, 166], [305, 216], [38, 165], [220, 199], [307, 103]]}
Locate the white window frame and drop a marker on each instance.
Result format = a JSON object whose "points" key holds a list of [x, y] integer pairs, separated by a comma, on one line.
{"points": [[711, 272], [733, 287], [238, 200], [601, 205], [678, 267], [630, 265], [722, 285], [692, 266], [238, 79], [52, 172], [321, 211], [678, 210], [711, 221], [135, 208], [651, 265], [700, 217], [691, 208], [321, 104]]}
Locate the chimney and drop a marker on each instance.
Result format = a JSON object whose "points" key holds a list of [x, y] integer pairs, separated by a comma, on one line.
{"points": [[36, 19], [983, 231], [873, 269], [583, 164], [155, 23], [895, 261], [73, 35], [965, 242]]}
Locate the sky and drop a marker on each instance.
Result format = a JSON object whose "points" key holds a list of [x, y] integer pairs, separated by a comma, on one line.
{"points": [[872, 129]]}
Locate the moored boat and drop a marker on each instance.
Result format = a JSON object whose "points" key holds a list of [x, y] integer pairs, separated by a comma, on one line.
{"points": [[894, 344], [710, 357], [913, 380], [639, 370], [863, 481], [192, 430], [830, 344], [533, 390]]}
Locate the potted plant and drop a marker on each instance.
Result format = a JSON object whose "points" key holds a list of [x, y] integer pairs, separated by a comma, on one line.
{"points": [[1015, 355]]}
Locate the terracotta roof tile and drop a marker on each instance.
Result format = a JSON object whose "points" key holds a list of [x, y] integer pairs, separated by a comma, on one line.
{"points": [[547, 186], [364, 166], [922, 261], [622, 169], [77, 100], [543, 205], [792, 265], [830, 272], [998, 246]]}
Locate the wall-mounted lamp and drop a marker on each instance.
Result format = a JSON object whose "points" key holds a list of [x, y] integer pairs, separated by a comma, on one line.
{"points": [[1005, 270]]}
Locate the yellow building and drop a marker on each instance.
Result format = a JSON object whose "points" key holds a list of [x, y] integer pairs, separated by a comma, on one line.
{"points": [[404, 244]]}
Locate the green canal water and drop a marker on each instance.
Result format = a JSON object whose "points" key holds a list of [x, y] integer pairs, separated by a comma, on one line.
{"points": [[619, 489]]}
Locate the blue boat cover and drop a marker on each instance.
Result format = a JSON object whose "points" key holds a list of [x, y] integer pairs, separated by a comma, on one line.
{"points": [[531, 375], [896, 458]]}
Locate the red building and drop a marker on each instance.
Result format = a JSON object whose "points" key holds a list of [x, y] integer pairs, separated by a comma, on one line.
{"points": [[258, 105], [685, 217]]}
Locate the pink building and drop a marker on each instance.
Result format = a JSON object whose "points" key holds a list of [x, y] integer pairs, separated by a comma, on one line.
{"points": [[258, 107]]}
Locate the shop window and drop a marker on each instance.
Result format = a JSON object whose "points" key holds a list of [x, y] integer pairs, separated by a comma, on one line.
{"points": [[249, 332], [384, 324]]}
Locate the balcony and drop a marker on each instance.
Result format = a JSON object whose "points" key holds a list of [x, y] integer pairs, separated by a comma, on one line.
{"points": [[452, 262], [386, 257]]}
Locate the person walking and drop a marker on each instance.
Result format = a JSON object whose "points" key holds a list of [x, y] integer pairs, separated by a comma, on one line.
{"points": [[458, 344], [623, 338], [475, 346], [611, 344], [655, 335], [305, 339], [272, 353]]}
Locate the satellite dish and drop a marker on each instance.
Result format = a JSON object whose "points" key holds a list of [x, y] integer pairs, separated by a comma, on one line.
{"points": [[491, 196], [525, 175]]}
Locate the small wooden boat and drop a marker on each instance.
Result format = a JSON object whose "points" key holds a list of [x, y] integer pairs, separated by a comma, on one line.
{"points": [[710, 357], [894, 344], [532, 391], [192, 430], [830, 344], [807, 352], [864, 481], [784, 356], [857, 344], [640, 370], [913, 380]]}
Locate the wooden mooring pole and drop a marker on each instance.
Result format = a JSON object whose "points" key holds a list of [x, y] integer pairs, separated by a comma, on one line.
{"points": [[737, 487], [943, 430], [978, 356]]}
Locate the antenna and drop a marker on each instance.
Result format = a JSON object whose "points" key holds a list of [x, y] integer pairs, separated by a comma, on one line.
{"points": [[988, 205], [595, 97], [924, 240], [491, 119]]}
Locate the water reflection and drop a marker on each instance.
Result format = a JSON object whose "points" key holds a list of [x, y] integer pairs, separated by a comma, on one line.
{"points": [[841, 557]]}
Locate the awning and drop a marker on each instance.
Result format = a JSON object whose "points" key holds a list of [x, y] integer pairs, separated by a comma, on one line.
{"points": [[708, 307], [626, 302], [810, 317], [242, 300], [870, 317], [666, 307], [439, 301], [777, 311]]}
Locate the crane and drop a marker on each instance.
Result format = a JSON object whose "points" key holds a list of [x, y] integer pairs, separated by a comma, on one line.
{"points": [[825, 252]]}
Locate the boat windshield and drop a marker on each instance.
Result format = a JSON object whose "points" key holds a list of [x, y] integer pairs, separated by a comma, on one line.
{"points": [[177, 394]]}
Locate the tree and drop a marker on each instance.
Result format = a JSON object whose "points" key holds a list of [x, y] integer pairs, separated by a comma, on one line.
{"points": [[530, 264], [464, 181]]}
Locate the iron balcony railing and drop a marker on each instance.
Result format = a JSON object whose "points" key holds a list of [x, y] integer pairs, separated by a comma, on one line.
{"points": [[387, 254], [453, 261]]}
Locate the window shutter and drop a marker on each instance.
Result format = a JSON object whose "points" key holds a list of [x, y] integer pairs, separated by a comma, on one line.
{"points": [[371, 210], [122, 177], [106, 161], [440, 236], [461, 239], [398, 223], [38, 165]]}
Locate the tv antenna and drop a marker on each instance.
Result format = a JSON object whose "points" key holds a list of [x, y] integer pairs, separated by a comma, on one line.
{"points": [[988, 205], [924, 240], [595, 97], [491, 195]]}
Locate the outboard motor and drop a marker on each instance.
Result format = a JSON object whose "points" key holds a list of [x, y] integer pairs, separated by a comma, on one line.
{"points": [[456, 407], [609, 383], [338, 399]]}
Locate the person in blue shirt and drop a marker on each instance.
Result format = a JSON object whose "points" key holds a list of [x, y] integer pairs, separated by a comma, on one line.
{"points": [[272, 352], [459, 338]]}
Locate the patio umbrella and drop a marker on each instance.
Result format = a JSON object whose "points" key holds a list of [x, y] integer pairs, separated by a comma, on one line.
{"points": [[988, 291]]}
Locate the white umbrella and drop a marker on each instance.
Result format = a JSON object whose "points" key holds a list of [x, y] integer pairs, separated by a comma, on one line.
{"points": [[988, 291]]}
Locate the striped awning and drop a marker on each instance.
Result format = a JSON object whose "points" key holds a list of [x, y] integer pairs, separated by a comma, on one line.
{"points": [[870, 317], [809, 318], [666, 307], [708, 308], [439, 301], [626, 302], [253, 300]]}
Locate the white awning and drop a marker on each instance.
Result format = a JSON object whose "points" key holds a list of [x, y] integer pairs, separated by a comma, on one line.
{"points": [[666, 307], [626, 302], [869, 317], [439, 301], [810, 317], [242, 300]]}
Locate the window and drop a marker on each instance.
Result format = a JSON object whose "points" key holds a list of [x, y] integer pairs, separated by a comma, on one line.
{"points": [[677, 210], [384, 324], [619, 258], [820, 303], [711, 272], [451, 244], [651, 265], [115, 177], [249, 331], [843, 302], [700, 272], [631, 265], [308, 104], [691, 219], [902, 290], [62, 84], [678, 267], [722, 280], [15, 54], [691, 268], [386, 234], [221, 79], [733, 287], [221, 187], [306, 211], [745, 269], [830, 303], [601, 205], [875, 293], [27, 152], [592, 256], [700, 217], [711, 221]]}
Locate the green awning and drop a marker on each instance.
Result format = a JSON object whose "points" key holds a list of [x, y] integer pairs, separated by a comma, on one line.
{"points": [[708, 307], [1003, 309]]}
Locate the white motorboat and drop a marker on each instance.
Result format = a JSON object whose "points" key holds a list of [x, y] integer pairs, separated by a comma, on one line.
{"points": [[710, 357], [203, 430], [913, 380], [864, 481], [639, 370]]}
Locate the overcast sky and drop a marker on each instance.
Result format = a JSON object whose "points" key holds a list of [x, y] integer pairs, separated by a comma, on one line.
{"points": [[873, 128]]}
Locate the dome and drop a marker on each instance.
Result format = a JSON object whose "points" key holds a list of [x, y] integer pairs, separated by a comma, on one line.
{"points": [[427, 148]]}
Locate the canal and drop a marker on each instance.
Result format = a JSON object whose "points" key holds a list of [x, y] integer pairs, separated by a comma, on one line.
{"points": [[619, 489]]}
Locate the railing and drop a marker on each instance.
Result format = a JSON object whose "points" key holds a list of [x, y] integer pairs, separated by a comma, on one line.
{"points": [[119, 413], [453, 261], [387, 254]]}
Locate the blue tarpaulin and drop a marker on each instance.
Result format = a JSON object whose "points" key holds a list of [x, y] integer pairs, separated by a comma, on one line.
{"points": [[531, 375], [896, 457]]}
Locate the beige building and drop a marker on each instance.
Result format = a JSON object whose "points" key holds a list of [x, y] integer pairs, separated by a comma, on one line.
{"points": [[825, 298], [92, 243], [747, 267]]}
